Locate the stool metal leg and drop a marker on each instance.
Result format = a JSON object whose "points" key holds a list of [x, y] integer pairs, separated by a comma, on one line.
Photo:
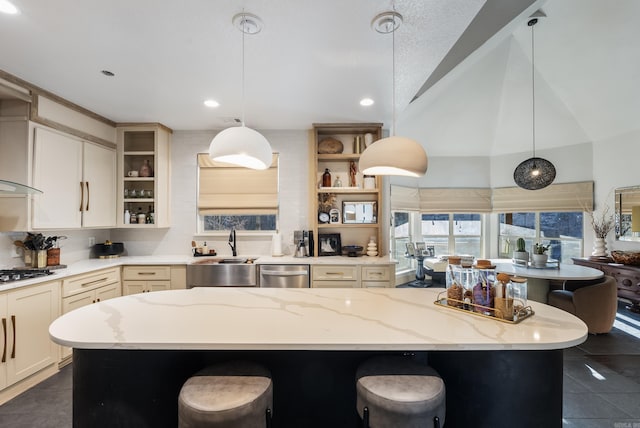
{"points": [[365, 417], [436, 422], [268, 417]]}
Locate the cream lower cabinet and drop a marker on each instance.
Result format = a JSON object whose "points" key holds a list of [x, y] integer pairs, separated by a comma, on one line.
{"points": [[144, 279], [378, 276], [334, 276], [82, 290], [26, 314]]}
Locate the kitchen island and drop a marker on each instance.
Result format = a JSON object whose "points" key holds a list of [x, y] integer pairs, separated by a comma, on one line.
{"points": [[132, 354]]}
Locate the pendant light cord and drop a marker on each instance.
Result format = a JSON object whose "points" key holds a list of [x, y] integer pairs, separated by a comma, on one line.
{"points": [[393, 74], [532, 23], [244, 30]]}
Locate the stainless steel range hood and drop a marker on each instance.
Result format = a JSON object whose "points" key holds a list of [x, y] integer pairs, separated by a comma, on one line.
{"points": [[17, 188]]}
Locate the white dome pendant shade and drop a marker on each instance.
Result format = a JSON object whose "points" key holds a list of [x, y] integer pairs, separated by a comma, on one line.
{"points": [[394, 156], [241, 146]]}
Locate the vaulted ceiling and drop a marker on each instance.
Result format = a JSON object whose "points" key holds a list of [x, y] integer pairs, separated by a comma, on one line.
{"points": [[466, 63]]}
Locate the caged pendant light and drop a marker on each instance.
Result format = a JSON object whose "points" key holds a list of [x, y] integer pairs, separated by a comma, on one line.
{"points": [[534, 173], [393, 155], [240, 145]]}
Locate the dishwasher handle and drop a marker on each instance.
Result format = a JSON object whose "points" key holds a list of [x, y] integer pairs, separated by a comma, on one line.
{"points": [[284, 272]]}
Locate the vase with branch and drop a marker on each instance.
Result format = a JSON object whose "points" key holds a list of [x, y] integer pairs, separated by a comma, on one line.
{"points": [[602, 223]]}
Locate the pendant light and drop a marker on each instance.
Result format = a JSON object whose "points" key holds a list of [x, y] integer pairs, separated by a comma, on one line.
{"points": [[240, 145], [534, 173], [393, 155]]}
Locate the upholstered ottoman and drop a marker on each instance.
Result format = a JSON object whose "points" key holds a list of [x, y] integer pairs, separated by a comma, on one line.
{"points": [[228, 395], [395, 391]]}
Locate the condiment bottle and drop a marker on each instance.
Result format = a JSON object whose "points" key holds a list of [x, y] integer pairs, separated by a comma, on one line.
{"points": [[127, 217], [326, 178]]}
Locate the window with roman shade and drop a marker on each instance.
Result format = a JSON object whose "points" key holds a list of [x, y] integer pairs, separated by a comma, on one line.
{"points": [[225, 189], [441, 200], [557, 197]]}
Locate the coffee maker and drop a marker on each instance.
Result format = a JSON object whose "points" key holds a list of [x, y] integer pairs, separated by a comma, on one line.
{"points": [[303, 241]]}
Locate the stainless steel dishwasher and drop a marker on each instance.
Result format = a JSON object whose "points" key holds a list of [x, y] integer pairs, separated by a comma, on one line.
{"points": [[283, 276]]}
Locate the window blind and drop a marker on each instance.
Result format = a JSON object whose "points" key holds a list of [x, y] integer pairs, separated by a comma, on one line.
{"points": [[229, 189], [557, 197], [438, 200]]}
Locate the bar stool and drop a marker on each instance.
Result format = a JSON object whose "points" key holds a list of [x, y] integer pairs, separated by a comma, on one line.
{"points": [[395, 391], [227, 395]]}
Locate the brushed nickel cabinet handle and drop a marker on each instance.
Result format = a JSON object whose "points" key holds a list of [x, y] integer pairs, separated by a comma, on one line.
{"points": [[13, 323], [81, 195], [4, 346], [88, 195]]}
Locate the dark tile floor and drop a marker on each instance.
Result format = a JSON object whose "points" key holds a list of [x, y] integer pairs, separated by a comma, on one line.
{"points": [[601, 385]]}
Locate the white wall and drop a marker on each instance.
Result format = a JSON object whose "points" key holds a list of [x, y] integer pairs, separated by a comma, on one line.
{"points": [[293, 148]]}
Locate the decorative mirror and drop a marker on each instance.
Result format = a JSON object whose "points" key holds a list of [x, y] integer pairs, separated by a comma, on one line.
{"points": [[627, 215], [359, 212]]}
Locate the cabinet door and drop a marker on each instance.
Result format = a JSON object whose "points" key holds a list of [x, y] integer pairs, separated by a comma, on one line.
{"points": [[57, 171], [108, 292], [74, 302], [4, 341], [158, 285], [30, 312], [133, 287], [99, 172]]}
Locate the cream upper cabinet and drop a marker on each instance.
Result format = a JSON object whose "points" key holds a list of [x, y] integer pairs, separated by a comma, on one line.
{"points": [[77, 179], [26, 314]]}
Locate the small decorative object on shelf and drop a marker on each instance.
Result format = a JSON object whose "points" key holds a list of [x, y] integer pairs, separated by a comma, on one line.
{"points": [[326, 178], [357, 144], [146, 170], [334, 216], [338, 182], [352, 174], [539, 257], [330, 146], [369, 182], [372, 247]]}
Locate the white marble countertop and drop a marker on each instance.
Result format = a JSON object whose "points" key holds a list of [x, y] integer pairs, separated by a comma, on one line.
{"points": [[305, 319], [90, 265]]}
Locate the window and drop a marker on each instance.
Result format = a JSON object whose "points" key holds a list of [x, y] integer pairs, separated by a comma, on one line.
{"points": [[459, 233], [401, 236], [563, 230], [231, 197]]}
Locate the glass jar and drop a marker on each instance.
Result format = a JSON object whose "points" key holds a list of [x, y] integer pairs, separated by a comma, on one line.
{"points": [[518, 290]]}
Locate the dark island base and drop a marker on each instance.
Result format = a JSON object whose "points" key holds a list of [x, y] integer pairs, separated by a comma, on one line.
{"points": [[127, 388]]}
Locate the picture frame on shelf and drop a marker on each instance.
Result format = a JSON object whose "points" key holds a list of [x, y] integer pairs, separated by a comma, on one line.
{"points": [[329, 244], [360, 212], [334, 216]]}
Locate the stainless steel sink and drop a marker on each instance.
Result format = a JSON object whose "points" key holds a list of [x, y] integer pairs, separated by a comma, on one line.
{"points": [[219, 272]]}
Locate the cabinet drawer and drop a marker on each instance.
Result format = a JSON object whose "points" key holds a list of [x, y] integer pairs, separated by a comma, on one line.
{"points": [[376, 273], [348, 273], [146, 273], [90, 281], [375, 284]]}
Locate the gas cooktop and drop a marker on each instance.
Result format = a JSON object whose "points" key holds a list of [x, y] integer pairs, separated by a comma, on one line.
{"points": [[10, 275]]}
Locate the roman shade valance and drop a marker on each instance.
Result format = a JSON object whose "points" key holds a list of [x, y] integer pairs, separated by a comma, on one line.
{"points": [[229, 189], [557, 197], [466, 200], [431, 200]]}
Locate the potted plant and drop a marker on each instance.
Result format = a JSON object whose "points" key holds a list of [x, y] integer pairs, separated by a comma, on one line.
{"points": [[539, 257], [521, 255]]}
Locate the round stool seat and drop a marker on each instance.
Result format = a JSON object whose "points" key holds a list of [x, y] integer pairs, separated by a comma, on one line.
{"points": [[231, 394], [398, 391]]}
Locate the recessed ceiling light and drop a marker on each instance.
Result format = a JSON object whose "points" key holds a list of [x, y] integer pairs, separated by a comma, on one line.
{"points": [[212, 103], [105, 72], [7, 7], [366, 102]]}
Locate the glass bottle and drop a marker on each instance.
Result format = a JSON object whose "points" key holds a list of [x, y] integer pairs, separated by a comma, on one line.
{"points": [[145, 169], [338, 182], [326, 178]]}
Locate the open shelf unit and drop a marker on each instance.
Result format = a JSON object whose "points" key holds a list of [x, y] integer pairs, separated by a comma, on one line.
{"points": [[339, 165]]}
